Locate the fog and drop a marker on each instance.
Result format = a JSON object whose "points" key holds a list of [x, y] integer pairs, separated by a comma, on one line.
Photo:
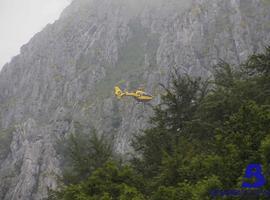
{"points": [[21, 19], [135, 6]]}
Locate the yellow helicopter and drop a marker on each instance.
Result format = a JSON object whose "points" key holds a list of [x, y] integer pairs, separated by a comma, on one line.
{"points": [[139, 94]]}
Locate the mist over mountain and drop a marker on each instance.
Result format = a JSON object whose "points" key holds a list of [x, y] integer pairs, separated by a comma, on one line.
{"points": [[65, 75]]}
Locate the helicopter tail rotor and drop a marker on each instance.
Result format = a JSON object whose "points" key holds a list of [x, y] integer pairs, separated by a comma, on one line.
{"points": [[118, 92]]}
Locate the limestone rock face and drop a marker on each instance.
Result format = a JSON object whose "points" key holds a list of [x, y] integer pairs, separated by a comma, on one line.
{"points": [[66, 74]]}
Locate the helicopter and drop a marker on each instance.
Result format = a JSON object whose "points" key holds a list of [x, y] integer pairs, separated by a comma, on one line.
{"points": [[138, 94]]}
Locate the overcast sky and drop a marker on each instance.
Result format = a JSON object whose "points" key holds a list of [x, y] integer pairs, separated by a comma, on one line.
{"points": [[21, 19]]}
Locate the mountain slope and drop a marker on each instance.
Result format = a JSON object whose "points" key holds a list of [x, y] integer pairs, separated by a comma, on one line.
{"points": [[66, 74]]}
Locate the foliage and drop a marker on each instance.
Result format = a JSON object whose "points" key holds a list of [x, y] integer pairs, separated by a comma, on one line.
{"points": [[108, 182], [84, 153]]}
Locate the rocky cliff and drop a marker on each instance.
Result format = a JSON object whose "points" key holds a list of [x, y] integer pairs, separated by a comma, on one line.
{"points": [[66, 74]]}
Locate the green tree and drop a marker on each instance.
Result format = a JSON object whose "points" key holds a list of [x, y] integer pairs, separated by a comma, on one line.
{"points": [[84, 154], [110, 182], [169, 122]]}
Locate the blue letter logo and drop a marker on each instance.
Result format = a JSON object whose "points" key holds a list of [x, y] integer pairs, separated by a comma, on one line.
{"points": [[254, 171]]}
